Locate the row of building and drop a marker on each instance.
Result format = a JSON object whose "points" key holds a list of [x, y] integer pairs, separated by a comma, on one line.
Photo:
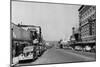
{"points": [[86, 32]]}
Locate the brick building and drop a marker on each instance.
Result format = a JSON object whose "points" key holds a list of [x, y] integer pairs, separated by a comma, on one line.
{"points": [[87, 23]]}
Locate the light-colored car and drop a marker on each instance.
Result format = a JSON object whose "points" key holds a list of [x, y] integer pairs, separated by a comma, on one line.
{"points": [[87, 48], [78, 48]]}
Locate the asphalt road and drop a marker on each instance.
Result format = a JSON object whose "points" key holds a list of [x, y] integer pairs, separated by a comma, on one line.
{"points": [[60, 56], [54, 55]]}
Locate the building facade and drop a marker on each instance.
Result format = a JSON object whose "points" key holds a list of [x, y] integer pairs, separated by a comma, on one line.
{"points": [[75, 37], [87, 23]]}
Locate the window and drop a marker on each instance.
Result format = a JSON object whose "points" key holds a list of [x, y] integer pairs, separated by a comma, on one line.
{"points": [[94, 8], [90, 10]]}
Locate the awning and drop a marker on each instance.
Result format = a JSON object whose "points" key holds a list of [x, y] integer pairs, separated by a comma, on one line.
{"points": [[86, 42]]}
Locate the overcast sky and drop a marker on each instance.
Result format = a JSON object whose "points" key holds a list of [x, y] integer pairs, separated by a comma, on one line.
{"points": [[56, 20]]}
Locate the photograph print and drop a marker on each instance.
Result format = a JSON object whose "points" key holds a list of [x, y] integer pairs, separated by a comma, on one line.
{"points": [[51, 33]]}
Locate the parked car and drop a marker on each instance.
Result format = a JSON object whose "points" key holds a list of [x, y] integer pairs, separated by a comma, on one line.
{"points": [[78, 48], [70, 48], [87, 48], [93, 49]]}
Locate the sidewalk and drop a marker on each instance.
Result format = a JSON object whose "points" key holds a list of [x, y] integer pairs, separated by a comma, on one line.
{"points": [[88, 54], [15, 61]]}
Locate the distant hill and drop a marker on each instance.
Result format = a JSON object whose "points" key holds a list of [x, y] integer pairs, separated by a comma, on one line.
{"points": [[52, 42]]}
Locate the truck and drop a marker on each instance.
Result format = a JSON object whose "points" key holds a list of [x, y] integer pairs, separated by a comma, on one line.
{"points": [[26, 42]]}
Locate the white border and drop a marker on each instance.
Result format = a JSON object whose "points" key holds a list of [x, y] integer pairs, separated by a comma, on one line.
{"points": [[5, 33]]}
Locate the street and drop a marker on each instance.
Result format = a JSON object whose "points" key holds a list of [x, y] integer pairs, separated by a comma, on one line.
{"points": [[55, 55], [52, 33]]}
